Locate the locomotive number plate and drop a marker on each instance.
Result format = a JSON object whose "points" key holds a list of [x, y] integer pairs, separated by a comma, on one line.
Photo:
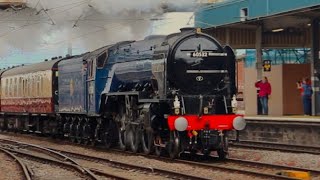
{"points": [[199, 54]]}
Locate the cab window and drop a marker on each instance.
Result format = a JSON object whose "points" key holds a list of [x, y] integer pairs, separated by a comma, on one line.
{"points": [[102, 59]]}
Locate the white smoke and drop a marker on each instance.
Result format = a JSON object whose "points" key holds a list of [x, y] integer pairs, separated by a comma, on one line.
{"points": [[49, 25]]}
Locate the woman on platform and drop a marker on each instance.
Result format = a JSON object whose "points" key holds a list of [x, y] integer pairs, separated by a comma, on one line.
{"points": [[265, 91]]}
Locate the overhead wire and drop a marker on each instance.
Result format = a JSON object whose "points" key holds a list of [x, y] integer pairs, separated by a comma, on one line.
{"points": [[58, 7], [88, 33]]}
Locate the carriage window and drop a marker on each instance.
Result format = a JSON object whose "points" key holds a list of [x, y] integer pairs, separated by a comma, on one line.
{"points": [[7, 87], [102, 59], [27, 87], [31, 92], [10, 88], [15, 89], [37, 86], [20, 87], [41, 86], [23, 87]]}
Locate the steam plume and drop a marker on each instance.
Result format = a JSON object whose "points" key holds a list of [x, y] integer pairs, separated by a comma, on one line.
{"points": [[48, 25]]}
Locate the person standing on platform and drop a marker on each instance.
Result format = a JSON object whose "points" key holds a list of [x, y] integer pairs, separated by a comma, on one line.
{"points": [[306, 94], [265, 91]]}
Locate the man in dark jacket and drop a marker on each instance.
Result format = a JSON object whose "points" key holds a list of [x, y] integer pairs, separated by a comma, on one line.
{"points": [[306, 93]]}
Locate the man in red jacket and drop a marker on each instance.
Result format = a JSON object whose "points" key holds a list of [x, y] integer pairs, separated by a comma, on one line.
{"points": [[265, 91]]}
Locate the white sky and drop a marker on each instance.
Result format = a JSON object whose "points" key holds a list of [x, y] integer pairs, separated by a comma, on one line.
{"points": [[172, 22]]}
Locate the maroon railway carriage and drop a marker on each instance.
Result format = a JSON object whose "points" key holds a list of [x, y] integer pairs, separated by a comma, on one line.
{"points": [[30, 89]]}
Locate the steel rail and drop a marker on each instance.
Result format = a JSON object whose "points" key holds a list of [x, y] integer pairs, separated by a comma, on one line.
{"points": [[204, 165], [26, 172], [49, 151], [172, 174], [76, 167]]}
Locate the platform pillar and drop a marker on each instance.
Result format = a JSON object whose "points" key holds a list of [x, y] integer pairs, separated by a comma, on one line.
{"points": [[258, 47], [315, 66]]}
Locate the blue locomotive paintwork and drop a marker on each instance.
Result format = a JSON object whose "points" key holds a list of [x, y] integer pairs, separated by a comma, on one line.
{"points": [[129, 64], [71, 86], [133, 72], [100, 82], [82, 81]]}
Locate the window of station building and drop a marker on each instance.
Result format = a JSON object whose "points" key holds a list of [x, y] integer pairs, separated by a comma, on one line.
{"points": [[243, 14], [102, 60]]}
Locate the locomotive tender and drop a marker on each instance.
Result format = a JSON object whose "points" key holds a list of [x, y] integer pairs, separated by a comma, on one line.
{"points": [[162, 94]]}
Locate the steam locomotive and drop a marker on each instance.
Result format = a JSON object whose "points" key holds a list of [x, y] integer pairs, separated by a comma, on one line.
{"points": [[164, 94]]}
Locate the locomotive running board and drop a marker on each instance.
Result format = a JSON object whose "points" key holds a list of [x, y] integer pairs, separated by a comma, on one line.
{"points": [[133, 93], [122, 93]]}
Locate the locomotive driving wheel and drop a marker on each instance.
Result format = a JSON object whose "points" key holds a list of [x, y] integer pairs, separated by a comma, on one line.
{"points": [[86, 131], [159, 150], [147, 137], [73, 130], [147, 141], [223, 151], [133, 138], [174, 144], [79, 134], [109, 133], [121, 128]]}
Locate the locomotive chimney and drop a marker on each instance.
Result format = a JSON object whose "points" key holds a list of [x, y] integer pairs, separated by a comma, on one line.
{"points": [[187, 29]]}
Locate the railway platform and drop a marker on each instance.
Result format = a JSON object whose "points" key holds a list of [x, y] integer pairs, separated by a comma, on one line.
{"points": [[297, 118], [291, 130]]}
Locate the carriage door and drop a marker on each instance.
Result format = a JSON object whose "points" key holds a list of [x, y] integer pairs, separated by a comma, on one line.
{"points": [[91, 85]]}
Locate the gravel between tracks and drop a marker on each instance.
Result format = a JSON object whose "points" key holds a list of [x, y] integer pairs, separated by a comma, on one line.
{"points": [[131, 174], [135, 159], [302, 160], [44, 171], [9, 169]]}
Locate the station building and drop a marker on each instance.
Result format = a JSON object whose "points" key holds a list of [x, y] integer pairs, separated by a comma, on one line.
{"points": [[283, 33]]}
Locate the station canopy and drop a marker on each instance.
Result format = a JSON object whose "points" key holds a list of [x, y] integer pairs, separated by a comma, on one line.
{"points": [[285, 23]]}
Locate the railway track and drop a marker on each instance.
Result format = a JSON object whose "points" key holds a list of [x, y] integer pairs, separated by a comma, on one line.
{"points": [[249, 168], [256, 169], [245, 167], [115, 164], [276, 147], [22, 165], [49, 156]]}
